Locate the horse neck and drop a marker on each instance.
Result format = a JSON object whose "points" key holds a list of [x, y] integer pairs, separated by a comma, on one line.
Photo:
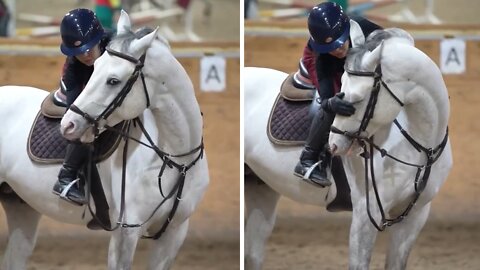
{"points": [[174, 108], [427, 111], [426, 97], [427, 119]]}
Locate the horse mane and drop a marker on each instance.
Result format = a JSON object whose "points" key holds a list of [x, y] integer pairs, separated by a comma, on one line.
{"points": [[355, 55], [126, 38]]}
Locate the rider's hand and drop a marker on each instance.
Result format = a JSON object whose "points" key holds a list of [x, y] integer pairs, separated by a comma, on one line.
{"points": [[337, 105]]}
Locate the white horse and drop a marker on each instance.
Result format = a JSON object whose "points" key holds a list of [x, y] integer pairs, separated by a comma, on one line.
{"points": [[173, 122], [416, 84]]}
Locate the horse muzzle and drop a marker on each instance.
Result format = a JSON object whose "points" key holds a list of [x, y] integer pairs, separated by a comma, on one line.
{"points": [[344, 142], [339, 145], [73, 128]]}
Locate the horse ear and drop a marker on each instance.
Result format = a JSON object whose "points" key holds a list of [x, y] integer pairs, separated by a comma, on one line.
{"points": [[139, 46], [356, 34], [123, 24], [371, 59]]}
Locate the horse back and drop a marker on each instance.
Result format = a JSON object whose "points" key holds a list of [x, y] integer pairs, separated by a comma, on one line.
{"points": [[20, 100], [18, 107]]}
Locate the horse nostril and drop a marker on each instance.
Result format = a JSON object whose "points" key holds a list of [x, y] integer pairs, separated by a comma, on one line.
{"points": [[333, 149], [67, 129]]}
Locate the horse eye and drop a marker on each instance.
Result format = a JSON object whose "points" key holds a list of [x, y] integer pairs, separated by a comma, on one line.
{"points": [[113, 81]]}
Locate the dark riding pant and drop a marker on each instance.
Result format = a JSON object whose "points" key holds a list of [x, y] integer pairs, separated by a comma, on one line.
{"points": [[68, 185], [316, 150]]}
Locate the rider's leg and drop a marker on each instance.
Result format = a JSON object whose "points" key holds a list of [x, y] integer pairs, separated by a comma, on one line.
{"points": [[315, 149], [68, 184]]}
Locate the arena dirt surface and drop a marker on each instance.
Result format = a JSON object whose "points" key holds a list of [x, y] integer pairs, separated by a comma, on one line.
{"points": [[305, 237], [213, 239], [308, 237]]}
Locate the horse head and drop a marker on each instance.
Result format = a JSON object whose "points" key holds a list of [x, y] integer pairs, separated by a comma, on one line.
{"points": [[117, 89], [377, 82]]}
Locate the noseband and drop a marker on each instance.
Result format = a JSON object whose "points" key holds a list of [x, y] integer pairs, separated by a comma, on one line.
{"points": [[118, 100], [432, 154], [372, 102]]}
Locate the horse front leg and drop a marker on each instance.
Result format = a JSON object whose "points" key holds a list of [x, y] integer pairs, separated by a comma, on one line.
{"points": [[122, 248], [403, 236], [362, 236], [22, 231], [165, 249], [260, 204]]}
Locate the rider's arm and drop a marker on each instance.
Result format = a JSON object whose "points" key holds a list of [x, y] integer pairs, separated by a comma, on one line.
{"points": [[75, 76], [326, 74], [308, 59]]}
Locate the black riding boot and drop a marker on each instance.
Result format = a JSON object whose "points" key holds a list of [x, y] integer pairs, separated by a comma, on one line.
{"points": [[68, 184], [314, 158]]}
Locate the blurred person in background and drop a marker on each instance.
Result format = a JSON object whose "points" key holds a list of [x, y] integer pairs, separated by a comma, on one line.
{"points": [[4, 19], [341, 3], [107, 12], [250, 9]]}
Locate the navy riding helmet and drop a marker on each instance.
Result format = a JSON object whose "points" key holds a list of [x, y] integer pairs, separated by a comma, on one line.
{"points": [[329, 27], [80, 30]]}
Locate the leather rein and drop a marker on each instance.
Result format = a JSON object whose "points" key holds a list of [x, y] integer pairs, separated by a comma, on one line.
{"points": [[432, 154], [165, 157]]}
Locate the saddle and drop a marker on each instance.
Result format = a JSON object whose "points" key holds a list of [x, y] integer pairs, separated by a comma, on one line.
{"points": [[292, 114], [46, 145], [289, 124]]}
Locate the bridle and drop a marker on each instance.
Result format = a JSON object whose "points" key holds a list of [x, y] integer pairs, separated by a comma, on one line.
{"points": [[432, 154], [177, 189], [118, 100], [372, 102]]}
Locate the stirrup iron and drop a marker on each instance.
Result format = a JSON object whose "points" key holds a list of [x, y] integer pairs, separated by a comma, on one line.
{"points": [[307, 174], [66, 189]]}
